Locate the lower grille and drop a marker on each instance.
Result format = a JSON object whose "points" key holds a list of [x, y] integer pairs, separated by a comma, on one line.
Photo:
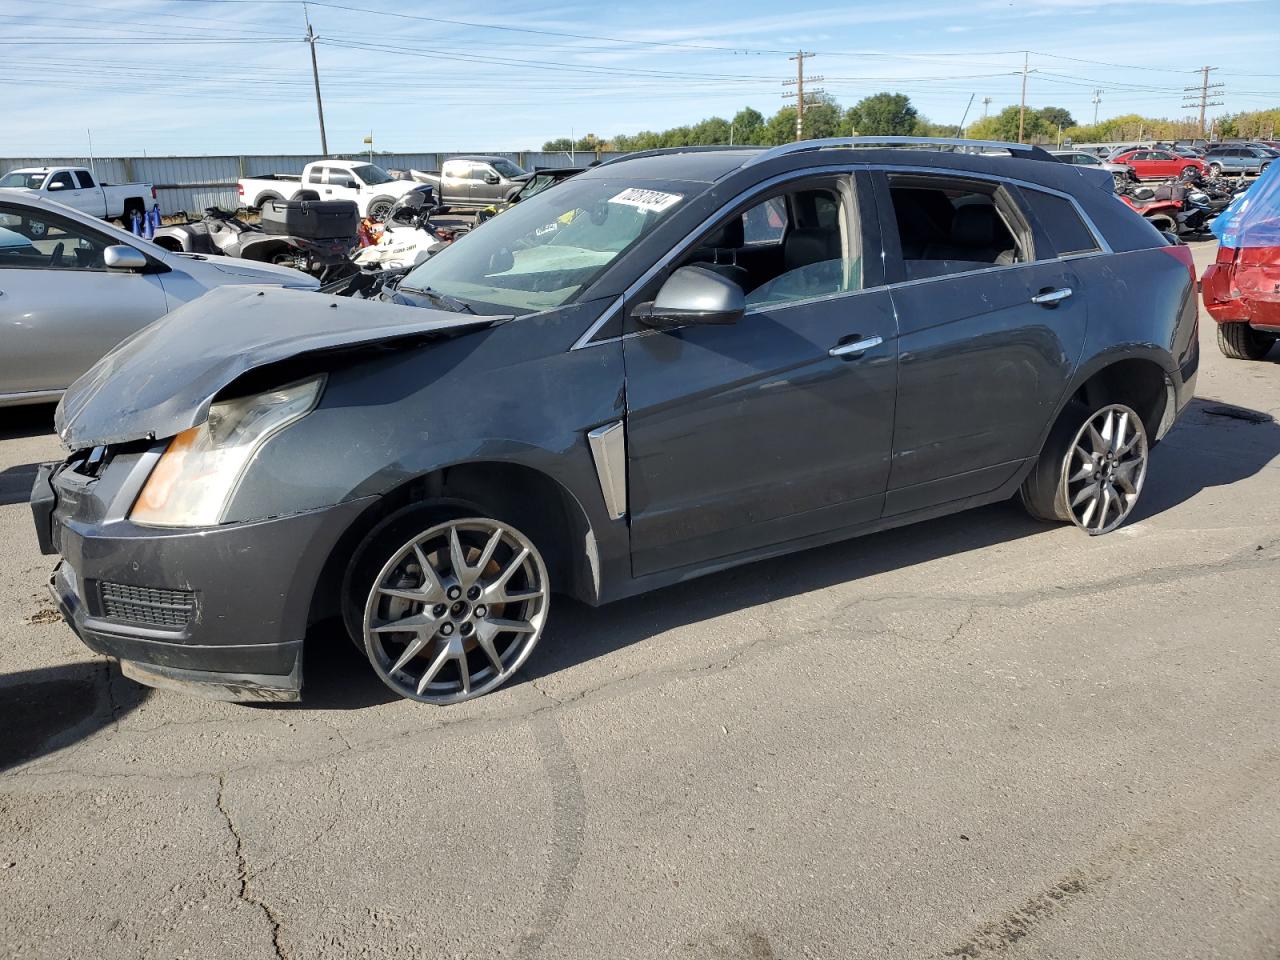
{"points": [[149, 605]]}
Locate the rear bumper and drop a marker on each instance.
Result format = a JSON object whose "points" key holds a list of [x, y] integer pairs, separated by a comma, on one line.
{"points": [[244, 593]]}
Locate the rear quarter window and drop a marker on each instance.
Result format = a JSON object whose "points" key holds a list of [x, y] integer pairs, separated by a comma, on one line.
{"points": [[1060, 221]]}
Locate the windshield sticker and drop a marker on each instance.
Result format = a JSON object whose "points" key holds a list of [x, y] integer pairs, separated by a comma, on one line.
{"points": [[654, 200]]}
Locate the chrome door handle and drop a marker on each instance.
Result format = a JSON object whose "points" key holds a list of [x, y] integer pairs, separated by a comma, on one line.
{"points": [[848, 351], [1051, 296]]}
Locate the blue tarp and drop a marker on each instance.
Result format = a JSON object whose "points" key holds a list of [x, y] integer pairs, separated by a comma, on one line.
{"points": [[1253, 219]]}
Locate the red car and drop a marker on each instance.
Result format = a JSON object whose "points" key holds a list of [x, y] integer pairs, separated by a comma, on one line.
{"points": [[1242, 293], [1151, 164]]}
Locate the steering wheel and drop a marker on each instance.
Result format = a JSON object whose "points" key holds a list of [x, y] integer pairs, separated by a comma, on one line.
{"points": [[55, 258]]}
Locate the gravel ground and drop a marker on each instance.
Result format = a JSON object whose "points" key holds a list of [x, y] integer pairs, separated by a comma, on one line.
{"points": [[981, 737]]}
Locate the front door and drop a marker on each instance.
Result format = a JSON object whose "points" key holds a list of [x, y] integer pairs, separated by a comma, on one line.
{"points": [[991, 324], [752, 434], [60, 308]]}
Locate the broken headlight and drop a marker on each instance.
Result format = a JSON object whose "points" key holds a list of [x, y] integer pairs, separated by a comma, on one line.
{"points": [[196, 476]]}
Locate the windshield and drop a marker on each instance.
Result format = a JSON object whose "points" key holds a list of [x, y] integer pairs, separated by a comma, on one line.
{"points": [[31, 181], [372, 173], [543, 251], [507, 168]]}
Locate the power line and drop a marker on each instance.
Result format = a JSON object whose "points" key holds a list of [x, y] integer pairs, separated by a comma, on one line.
{"points": [[799, 58], [1204, 94]]}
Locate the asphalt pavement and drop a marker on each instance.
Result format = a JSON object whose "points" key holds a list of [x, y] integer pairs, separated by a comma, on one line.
{"points": [[980, 737]]}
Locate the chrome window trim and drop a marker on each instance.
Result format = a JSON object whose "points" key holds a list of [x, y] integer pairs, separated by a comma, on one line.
{"points": [[1104, 248], [661, 263]]}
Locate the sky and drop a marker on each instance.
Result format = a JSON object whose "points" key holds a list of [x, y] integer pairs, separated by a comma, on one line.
{"points": [[165, 77]]}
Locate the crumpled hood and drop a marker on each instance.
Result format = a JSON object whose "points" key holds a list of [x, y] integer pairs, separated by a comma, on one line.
{"points": [[161, 380]]}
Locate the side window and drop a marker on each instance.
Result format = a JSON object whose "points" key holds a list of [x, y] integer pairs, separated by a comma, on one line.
{"points": [[791, 246], [947, 228], [1058, 217], [85, 178], [49, 243], [765, 223], [316, 175], [61, 181]]}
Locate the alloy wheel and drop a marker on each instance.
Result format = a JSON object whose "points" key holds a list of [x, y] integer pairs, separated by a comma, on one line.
{"points": [[1105, 469], [456, 611]]}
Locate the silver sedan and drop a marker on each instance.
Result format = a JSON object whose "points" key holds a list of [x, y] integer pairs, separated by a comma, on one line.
{"points": [[1121, 171], [72, 287]]}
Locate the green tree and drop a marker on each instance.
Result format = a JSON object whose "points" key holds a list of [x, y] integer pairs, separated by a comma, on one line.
{"points": [[823, 118], [1055, 117], [781, 127], [710, 132], [748, 126], [563, 144], [1004, 126], [883, 115]]}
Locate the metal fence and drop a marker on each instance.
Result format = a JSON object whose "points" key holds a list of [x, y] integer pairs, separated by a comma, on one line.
{"points": [[193, 183]]}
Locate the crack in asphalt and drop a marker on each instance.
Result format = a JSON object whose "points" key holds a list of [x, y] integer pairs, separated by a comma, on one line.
{"points": [[242, 869], [1258, 555]]}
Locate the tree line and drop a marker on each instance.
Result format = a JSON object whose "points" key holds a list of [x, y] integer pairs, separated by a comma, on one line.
{"points": [[882, 114], [892, 114]]}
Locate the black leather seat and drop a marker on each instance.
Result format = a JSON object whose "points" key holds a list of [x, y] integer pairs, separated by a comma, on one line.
{"points": [[719, 253], [805, 247], [978, 235]]}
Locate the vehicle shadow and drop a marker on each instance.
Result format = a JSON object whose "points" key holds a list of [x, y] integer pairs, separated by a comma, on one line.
{"points": [[28, 421], [1214, 444], [50, 708], [16, 483]]}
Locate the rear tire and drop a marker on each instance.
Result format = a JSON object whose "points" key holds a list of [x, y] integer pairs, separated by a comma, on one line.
{"points": [[1239, 341], [1091, 470]]}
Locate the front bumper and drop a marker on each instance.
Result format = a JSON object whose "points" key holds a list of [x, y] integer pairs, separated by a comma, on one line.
{"points": [[219, 611]]}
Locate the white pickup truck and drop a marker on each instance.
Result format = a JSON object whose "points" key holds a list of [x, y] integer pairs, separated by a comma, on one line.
{"points": [[373, 189], [76, 187]]}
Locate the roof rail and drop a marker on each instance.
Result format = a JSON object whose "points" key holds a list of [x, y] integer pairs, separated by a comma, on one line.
{"points": [[664, 151], [1025, 150]]}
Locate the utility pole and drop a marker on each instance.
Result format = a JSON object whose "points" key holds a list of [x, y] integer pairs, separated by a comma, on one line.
{"points": [[315, 76], [798, 82], [1022, 108], [1202, 94], [1097, 99], [986, 102]]}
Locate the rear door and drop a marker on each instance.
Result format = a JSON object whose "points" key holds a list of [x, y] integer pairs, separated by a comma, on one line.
{"points": [[61, 309], [750, 434], [455, 181], [93, 200], [991, 324]]}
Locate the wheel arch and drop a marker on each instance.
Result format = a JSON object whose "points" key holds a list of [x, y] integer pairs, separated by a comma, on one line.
{"points": [[534, 502], [1140, 380]]}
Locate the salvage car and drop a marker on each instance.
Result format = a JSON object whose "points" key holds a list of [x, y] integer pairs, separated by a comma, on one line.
{"points": [[372, 189], [72, 287], [1152, 164], [473, 183], [78, 188], [1237, 159], [1121, 172], [1241, 288], [673, 363]]}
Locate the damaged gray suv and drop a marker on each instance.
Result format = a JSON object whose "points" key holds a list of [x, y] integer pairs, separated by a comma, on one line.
{"points": [[670, 364]]}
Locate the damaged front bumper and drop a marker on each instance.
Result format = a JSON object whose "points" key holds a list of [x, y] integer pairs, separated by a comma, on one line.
{"points": [[216, 611]]}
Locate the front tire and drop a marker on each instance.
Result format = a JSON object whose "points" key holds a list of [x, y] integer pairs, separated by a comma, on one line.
{"points": [[379, 207], [453, 612], [1215, 169], [1091, 470], [1239, 341]]}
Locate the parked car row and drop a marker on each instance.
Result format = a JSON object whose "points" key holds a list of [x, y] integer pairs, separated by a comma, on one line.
{"points": [[672, 363]]}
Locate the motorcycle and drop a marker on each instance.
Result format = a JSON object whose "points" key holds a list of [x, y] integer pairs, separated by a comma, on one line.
{"points": [[321, 244], [406, 237]]}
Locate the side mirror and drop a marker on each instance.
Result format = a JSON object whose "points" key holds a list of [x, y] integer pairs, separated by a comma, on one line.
{"points": [[691, 295], [55, 186], [352, 183], [123, 257], [490, 178]]}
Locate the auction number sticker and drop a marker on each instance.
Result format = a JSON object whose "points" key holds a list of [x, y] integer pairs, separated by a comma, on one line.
{"points": [[654, 200]]}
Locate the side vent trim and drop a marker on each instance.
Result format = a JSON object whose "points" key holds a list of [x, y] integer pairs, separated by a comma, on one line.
{"points": [[609, 451]]}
